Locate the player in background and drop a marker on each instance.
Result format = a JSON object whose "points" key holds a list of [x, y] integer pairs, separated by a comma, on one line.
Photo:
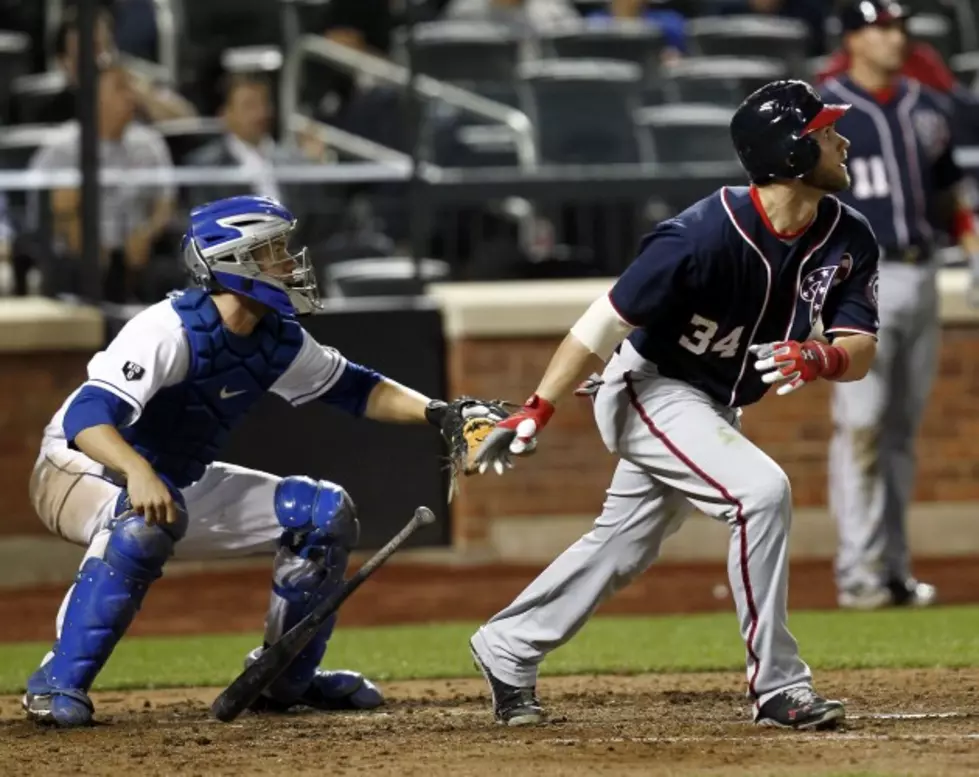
{"points": [[127, 465], [908, 186], [716, 309]]}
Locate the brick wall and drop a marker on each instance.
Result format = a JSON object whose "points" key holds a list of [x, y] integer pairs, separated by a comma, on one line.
{"points": [[32, 387], [570, 472]]}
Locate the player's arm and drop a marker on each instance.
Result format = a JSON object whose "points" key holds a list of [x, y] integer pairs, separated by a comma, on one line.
{"points": [[956, 207], [121, 380], [322, 373], [850, 318], [587, 346], [642, 293], [860, 352]]}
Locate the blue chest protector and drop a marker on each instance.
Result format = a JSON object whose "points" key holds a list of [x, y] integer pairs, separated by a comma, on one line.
{"points": [[183, 427]]}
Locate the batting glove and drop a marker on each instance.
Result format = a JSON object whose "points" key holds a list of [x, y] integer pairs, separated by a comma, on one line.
{"points": [[794, 364], [516, 434]]}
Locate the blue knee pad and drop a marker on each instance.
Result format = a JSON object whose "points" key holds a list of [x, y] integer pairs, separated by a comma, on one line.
{"points": [[107, 593], [321, 528]]}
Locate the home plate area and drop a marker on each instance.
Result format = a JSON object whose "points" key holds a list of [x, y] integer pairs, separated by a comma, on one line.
{"points": [[919, 722]]}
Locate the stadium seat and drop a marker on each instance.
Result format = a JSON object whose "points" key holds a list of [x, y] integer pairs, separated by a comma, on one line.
{"points": [[627, 40], [15, 60], [689, 133], [31, 95], [719, 80], [966, 68], [252, 59], [936, 30], [462, 52], [773, 37], [18, 144], [453, 139], [184, 136], [382, 276], [582, 110]]}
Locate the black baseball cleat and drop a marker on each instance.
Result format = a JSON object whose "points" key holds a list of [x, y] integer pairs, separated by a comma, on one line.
{"points": [[512, 706], [912, 593], [800, 708]]}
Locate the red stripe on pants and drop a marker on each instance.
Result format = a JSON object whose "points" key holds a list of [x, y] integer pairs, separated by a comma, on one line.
{"points": [[729, 498]]}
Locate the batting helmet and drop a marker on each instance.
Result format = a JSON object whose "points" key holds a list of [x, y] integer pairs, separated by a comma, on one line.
{"points": [[771, 129], [855, 15]]}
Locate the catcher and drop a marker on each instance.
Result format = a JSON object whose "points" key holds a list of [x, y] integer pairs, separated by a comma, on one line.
{"points": [[127, 465]]}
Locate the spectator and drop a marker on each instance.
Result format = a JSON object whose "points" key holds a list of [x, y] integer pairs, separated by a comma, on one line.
{"points": [[154, 103], [133, 217], [526, 15], [672, 23], [247, 114]]}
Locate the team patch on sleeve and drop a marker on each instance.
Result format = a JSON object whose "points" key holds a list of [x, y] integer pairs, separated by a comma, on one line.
{"points": [[132, 371], [872, 288]]}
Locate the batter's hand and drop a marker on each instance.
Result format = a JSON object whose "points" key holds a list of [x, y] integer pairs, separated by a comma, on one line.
{"points": [[794, 364], [515, 435]]}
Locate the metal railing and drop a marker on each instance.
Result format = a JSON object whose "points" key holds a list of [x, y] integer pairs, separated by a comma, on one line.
{"points": [[357, 63]]}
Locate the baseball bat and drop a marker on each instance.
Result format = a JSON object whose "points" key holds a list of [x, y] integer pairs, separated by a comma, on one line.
{"points": [[247, 687]]}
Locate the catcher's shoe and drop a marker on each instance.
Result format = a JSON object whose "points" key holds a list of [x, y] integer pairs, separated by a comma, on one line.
{"points": [[56, 707], [512, 706], [800, 708], [329, 690]]}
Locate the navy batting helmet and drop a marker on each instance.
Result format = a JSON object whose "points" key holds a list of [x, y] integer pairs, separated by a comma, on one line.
{"points": [[771, 129], [856, 15]]}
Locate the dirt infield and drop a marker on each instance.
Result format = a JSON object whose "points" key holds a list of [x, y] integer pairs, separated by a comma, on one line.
{"points": [[412, 593], [664, 725]]}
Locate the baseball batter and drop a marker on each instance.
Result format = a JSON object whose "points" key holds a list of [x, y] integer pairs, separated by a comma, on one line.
{"points": [[716, 309], [907, 184], [127, 465]]}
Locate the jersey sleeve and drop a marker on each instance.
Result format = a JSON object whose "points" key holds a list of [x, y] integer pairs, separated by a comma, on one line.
{"points": [[933, 126], [649, 285], [851, 308], [321, 372], [313, 372], [143, 358]]}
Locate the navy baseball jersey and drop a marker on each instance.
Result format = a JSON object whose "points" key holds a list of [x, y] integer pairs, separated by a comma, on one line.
{"points": [[717, 278], [900, 158]]}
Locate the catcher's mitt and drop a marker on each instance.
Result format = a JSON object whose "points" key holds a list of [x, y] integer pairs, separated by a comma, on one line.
{"points": [[464, 423]]}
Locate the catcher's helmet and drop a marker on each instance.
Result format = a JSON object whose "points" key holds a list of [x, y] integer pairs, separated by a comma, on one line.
{"points": [[862, 13], [771, 128]]}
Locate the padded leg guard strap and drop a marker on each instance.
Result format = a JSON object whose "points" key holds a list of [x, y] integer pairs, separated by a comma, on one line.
{"points": [[298, 585], [107, 594]]}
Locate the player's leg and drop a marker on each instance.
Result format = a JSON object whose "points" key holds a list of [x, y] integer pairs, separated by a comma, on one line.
{"points": [[695, 447], [311, 527], [858, 483], [124, 556], [913, 380], [637, 516]]}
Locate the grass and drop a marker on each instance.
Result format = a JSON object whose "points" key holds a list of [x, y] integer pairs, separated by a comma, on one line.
{"points": [[940, 637]]}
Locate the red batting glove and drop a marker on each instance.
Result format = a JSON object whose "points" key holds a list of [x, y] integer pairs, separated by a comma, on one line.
{"points": [[795, 364], [515, 434]]}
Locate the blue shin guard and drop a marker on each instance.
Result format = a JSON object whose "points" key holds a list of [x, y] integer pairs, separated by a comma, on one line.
{"points": [[321, 529], [106, 595]]}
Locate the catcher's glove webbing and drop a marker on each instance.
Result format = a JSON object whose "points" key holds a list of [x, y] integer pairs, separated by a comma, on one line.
{"points": [[464, 423]]}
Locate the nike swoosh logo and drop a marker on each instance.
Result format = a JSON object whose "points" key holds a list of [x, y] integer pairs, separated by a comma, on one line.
{"points": [[225, 394]]}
